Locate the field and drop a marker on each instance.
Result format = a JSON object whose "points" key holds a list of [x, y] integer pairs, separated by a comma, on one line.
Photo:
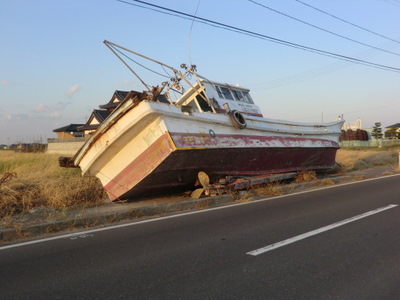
{"points": [[32, 180]]}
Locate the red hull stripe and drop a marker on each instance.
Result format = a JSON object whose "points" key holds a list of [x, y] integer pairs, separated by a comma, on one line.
{"points": [[212, 140]]}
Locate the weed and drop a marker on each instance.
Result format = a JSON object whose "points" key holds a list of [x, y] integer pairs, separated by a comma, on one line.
{"points": [[270, 189], [7, 177], [203, 204], [325, 181], [305, 176], [359, 177], [244, 196]]}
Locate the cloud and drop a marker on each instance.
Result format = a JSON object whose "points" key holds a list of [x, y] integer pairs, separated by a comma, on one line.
{"points": [[42, 108], [16, 117], [73, 89], [127, 83], [52, 115], [4, 83], [61, 105]]}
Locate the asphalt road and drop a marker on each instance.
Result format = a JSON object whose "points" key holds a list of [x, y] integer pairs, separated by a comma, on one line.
{"points": [[337, 243]]}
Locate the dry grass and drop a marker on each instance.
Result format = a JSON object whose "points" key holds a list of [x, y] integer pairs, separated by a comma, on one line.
{"points": [[38, 181], [270, 189], [305, 176], [358, 159], [325, 181]]}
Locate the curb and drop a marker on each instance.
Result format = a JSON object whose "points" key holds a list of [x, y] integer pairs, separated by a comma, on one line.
{"points": [[82, 219]]}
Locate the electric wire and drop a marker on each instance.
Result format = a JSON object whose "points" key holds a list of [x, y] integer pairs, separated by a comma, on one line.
{"points": [[375, 108], [322, 29], [393, 3], [298, 77], [176, 13], [348, 22]]}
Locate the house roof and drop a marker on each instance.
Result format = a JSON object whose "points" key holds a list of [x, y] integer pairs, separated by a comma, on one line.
{"points": [[116, 99], [100, 115], [397, 125], [68, 128], [120, 95]]}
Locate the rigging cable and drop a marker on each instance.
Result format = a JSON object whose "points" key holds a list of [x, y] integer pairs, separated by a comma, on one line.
{"points": [[322, 29], [131, 59], [348, 22], [176, 13]]}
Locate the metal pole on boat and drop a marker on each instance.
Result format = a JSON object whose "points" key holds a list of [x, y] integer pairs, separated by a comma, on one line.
{"points": [[138, 54], [112, 50]]}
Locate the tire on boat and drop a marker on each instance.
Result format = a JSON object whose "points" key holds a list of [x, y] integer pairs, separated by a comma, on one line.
{"points": [[238, 119]]}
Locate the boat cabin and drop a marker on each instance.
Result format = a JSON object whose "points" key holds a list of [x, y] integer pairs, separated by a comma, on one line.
{"points": [[218, 97]]}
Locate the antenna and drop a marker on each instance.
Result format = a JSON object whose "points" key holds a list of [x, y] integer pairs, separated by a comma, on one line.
{"points": [[190, 33]]}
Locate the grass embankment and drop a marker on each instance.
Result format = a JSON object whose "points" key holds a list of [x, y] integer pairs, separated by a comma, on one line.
{"points": [[351, 159], [31, 180]]}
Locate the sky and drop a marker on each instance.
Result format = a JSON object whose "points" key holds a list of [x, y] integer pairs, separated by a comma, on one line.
{"points": [[55, 69]]}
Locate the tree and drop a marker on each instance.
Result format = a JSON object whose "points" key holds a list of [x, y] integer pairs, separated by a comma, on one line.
{"points": [[392, 133], [377, 131]]}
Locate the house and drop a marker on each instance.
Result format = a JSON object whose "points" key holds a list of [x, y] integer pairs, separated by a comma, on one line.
{"points": [[95, 119], [116, 99], [71, 137], [99, 115], [397, 126], [69, 131], [69, 140], [393, 131]]}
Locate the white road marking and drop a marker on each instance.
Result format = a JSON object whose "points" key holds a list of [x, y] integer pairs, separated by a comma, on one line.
{"points": [[317, 231], [112, 227]]}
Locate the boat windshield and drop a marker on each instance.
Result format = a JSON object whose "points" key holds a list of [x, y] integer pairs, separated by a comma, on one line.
{"points": [[233, 94]]}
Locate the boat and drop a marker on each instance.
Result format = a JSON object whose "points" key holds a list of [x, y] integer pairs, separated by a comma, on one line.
{"points": [[151, 144]]}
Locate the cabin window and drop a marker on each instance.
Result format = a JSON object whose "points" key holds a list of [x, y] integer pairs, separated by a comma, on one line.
{"points": [[248, 97], [227, 94], [219, 92], [238, 95], [203, 103]]}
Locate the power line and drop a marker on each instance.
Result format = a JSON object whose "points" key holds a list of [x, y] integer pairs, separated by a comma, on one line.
{"points": [[298, 77], [348, 22], [322, 29], [176, 13], [393, 2]]}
